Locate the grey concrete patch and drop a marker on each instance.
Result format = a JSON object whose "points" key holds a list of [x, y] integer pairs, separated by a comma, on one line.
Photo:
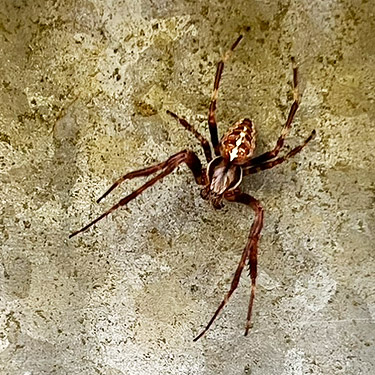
{"points": [[84, 90]]}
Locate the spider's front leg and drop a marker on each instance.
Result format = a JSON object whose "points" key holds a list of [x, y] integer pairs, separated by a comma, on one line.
{"points": [[252, 243], [250, 253], [167, 167]]}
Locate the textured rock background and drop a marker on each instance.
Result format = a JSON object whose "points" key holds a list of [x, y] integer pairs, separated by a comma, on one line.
{"points": [[84, 90]]}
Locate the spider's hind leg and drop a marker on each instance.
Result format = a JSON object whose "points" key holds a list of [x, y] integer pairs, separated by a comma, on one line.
{"points": [[272, 163], [203, 141], [212, 111], [280, 142]]}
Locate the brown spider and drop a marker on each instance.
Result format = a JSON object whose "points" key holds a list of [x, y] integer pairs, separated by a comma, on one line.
{"points": [[223, 175]]}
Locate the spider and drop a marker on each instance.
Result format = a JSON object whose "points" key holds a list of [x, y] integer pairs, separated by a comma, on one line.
{"points": [[221, 178]]}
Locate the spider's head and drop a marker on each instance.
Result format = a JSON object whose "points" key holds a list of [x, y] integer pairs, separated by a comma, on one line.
{"points": [[222, 176]]}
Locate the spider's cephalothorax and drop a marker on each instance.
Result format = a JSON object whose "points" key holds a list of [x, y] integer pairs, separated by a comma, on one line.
{"points": [[221, 178]]}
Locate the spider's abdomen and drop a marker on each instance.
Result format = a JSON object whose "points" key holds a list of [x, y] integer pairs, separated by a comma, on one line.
{"points": [[238, 143]]}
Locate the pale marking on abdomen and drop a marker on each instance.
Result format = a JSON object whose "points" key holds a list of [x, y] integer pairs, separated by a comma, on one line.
{"points": [[234, 152]]}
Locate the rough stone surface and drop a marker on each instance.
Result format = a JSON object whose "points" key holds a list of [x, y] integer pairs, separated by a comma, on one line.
{"points": [[85, 86]]}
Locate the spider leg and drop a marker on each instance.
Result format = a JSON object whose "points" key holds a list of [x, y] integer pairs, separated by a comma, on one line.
{"points": [[280, 142], [252, 243], [273, 163], [250, 252], [140, 173], [233, 286], [211, 114], [188, 157], [205, 144]]}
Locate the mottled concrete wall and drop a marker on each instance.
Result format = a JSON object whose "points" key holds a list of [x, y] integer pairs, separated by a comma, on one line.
{"points": [[84, 90]]}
